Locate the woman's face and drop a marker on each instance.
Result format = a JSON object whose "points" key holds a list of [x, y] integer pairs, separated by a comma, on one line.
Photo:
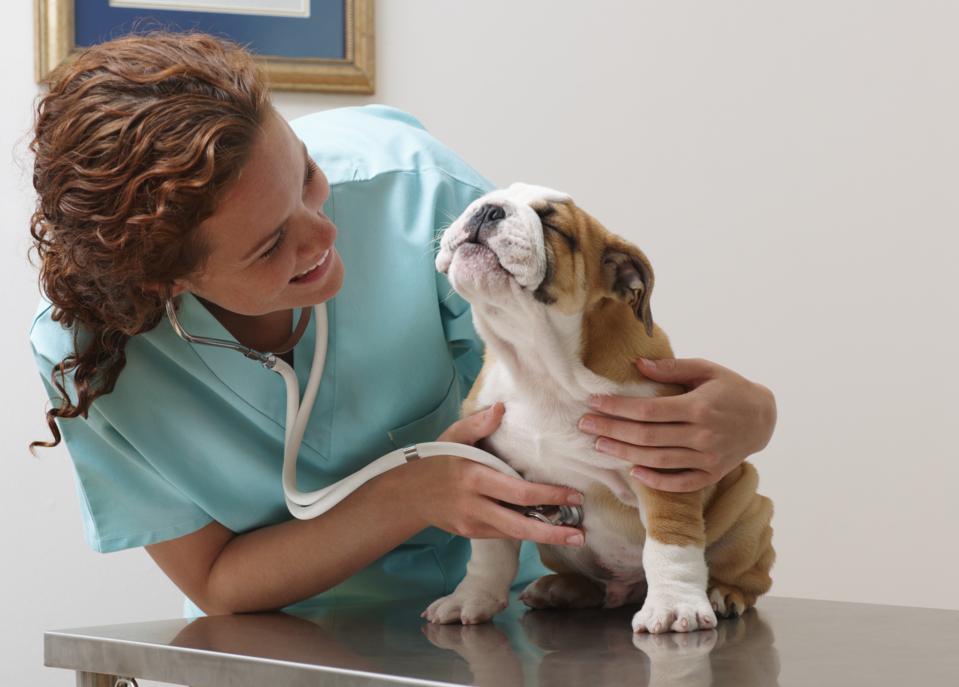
{"points": [[268, 228]]}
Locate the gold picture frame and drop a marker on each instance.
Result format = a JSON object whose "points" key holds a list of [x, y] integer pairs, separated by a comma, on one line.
{"points": [[55, 30]]}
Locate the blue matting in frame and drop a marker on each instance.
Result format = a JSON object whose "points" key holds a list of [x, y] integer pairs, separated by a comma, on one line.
{"points": [[321, 35]]}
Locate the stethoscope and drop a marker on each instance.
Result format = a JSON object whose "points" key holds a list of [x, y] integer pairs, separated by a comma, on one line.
{"points": [[306, 505]]}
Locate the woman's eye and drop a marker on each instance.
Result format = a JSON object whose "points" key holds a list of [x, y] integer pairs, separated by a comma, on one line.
{"points": [[272, 249], [311, 170]]}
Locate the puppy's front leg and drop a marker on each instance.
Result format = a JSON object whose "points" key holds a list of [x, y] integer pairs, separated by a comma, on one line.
{"points": [[484, 591], [675, 563]]}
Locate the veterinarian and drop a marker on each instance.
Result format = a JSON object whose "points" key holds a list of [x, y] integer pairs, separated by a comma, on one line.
{"points": [[162, 170]]}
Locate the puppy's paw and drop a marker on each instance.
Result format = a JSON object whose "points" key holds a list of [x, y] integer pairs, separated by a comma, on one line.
{"points": [[675, 609], [564, 590], [728, 602], [466, 607]]}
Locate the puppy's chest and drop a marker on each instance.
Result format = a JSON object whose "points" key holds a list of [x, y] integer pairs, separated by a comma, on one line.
{"points": [[542, 442], [540, 438]]}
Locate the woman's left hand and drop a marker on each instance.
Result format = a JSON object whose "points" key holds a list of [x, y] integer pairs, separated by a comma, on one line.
{"points": [[722, 419]]}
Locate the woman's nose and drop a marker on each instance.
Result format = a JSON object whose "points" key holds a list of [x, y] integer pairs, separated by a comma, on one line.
{"points": [[315, 231]]}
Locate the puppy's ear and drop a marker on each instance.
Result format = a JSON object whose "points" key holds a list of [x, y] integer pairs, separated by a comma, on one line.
{"points": [[629, 277]]}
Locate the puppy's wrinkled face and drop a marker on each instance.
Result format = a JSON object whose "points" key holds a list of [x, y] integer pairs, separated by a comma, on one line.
{"points": [[533, 243]]}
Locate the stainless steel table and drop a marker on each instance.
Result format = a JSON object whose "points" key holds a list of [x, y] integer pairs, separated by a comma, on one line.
{"points": [[781, 642]]}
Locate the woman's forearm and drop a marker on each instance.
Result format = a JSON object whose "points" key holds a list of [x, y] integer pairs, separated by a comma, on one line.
{"points": [[275, 566]]}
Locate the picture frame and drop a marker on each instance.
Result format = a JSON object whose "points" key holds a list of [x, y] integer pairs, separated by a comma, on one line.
{"points": [[303, 45]]}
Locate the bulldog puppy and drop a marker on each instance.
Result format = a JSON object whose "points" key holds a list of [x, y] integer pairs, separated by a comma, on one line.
{"points": [[563, 307]]}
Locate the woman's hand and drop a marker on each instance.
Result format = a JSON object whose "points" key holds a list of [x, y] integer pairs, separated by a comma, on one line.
{"points": [[721, 420], [460, 495]]}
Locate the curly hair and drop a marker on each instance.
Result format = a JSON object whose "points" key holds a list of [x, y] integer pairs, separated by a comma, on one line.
{"points": [[133, 142]]}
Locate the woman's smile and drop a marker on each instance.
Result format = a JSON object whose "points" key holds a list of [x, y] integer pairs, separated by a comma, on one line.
{"points": [[316, 271]]}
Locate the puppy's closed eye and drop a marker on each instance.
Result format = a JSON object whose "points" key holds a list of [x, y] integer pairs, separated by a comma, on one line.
{"points": [[544, 214]]}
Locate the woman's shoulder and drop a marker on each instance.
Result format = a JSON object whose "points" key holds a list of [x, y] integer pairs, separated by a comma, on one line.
{"points": [[51, 339], [376, 115], [355, 144], [378, 122], [144, 354]]}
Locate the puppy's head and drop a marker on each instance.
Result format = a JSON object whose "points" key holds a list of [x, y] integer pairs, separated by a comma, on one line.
{"points": [[534, 244]]}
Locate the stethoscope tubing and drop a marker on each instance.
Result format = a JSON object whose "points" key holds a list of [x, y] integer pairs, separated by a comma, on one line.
{"points": [[308, 505], [305, 505]]}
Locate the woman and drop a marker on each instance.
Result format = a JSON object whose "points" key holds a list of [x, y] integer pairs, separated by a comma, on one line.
{"points": [[163, 171]]}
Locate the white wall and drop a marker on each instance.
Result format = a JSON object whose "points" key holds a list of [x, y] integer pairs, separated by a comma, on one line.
{"points": [[790, 170]]}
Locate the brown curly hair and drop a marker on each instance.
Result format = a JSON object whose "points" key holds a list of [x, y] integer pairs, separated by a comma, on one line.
{"points": [[133, 142]]}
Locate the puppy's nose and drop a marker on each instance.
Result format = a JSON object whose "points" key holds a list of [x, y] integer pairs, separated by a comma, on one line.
{"points": [[491, 213], [485, 217]]}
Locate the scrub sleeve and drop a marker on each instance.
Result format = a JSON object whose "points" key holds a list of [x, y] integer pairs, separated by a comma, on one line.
{"points": [[192, 434]]}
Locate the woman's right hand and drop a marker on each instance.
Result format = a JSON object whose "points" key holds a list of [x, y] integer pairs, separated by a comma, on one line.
{"points": [[460, 495]]}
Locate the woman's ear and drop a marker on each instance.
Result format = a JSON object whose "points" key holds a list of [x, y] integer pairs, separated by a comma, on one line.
{"points": [[629, 277]]}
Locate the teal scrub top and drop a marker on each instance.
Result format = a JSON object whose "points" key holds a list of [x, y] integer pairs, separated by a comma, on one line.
{"points": [[193, 433]]}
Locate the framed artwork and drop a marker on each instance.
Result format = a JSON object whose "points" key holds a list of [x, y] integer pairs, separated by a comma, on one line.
{"points": [[303, 45]]}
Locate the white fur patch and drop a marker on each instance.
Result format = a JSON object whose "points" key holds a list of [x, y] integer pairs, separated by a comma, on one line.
{"points": [[676, 600]]}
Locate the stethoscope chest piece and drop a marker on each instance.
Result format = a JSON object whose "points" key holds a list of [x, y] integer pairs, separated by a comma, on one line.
{"points": [[570, 516]]}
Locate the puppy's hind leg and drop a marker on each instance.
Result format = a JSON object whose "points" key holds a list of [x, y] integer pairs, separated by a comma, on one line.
{"points": [[563, 590], [739, 548], [733, 598], [567, 589], [731, 592]]}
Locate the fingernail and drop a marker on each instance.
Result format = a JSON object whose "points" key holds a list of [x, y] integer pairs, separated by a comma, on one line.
{"points": [[647, 361], [575, 540], [587, 424], [595, 401], [575, 499]]}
